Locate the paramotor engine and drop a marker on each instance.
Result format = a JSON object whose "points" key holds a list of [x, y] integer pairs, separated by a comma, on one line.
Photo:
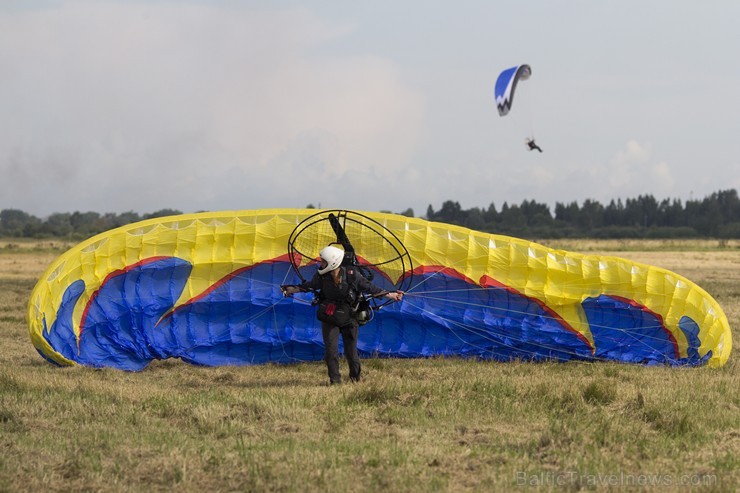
{"points": [[383, 259]]}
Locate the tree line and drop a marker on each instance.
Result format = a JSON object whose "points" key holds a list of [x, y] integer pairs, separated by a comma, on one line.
{"points": [[717, 216], [76, 225]]}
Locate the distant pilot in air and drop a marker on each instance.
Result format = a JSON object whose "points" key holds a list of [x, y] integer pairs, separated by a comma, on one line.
{"points": [[532, 146]]}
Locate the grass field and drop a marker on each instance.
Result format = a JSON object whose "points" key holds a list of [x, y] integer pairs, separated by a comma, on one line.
{"points": [[412, 425]]}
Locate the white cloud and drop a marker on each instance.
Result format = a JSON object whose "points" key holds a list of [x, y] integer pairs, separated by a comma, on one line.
{"points": [[663, 176], [117, 106], [635, 153], [626, 170]]}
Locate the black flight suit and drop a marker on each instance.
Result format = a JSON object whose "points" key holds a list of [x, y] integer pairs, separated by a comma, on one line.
{"points": [[351, 284]]}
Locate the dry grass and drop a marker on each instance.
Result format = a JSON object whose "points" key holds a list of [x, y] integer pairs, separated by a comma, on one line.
{"points": [[634, 245], [413, 425]]}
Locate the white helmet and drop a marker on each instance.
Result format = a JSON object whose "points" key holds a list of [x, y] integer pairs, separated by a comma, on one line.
{"points": [[333, 257]]}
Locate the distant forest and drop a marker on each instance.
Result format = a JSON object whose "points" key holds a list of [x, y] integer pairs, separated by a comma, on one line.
{"points": [[715, 216]]}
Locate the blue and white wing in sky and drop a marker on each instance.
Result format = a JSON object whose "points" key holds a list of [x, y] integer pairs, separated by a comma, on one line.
{"points": [[506, 85]]}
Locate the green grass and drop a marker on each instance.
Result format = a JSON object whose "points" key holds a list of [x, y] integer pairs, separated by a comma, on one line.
{"points": [[412, 425]]}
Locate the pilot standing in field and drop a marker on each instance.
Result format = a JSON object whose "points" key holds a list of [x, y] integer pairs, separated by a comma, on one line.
{"points": [[339, 290]]}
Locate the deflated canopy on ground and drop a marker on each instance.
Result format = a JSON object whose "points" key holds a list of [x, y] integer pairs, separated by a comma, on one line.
{"points": [[206, 288]]}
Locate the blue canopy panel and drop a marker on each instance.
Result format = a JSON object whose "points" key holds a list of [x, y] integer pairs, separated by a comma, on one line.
{"points": [[506, 85], [244, 319]]}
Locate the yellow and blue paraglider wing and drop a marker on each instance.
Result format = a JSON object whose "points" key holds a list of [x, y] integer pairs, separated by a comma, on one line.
{"points": [[206, 288]]}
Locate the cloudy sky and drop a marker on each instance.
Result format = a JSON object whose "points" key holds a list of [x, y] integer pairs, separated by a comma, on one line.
{"points": [[112, 106]]}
